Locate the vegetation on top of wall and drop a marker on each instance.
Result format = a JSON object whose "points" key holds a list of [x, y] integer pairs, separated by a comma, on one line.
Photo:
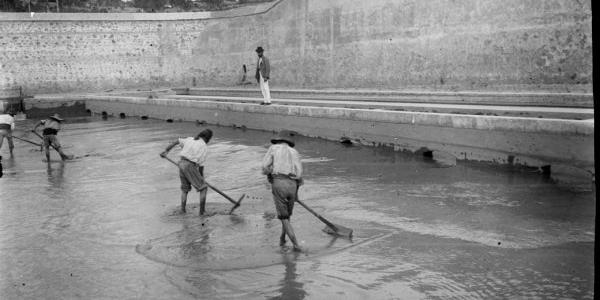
{"points": [[121, 6]]}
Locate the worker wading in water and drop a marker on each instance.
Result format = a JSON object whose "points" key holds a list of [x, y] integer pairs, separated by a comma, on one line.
{"points": [[191, 165], [283, 168], [52, 126]]}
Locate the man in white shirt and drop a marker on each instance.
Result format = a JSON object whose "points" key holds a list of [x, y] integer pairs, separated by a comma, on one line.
{"points": [[283, 168], [191, 166], [7, 125]]}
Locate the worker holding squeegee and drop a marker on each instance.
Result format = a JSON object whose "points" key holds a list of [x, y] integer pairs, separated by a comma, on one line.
{"points": [[283, 168], [191, 169]]}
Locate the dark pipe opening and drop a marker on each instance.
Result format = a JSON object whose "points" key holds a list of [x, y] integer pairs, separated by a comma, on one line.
{"points": [[511, 159], [546, 170], [345, 141]]}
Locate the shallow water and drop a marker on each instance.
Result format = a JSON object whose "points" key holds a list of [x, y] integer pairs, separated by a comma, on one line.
{"points": [[106, 225]]}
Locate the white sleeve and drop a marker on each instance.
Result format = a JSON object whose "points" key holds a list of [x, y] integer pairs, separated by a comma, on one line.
{"points": [[182, 142], [267, 162], [297, 164]]}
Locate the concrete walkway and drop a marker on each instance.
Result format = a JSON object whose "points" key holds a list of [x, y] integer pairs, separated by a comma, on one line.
{"points": [[508, 98], [469, 109], [568, 106]]}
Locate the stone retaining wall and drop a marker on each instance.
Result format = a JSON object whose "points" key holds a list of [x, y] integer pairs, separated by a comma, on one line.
{"points": [[476, 45]]}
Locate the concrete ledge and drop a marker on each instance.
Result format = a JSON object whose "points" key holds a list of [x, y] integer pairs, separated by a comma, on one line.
{"points": [[468, 109], [504, 140], [544, 99], [491, 123]]}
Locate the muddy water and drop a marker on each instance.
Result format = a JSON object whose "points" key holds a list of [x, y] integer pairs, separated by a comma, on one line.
{"points": [[106, 225]]}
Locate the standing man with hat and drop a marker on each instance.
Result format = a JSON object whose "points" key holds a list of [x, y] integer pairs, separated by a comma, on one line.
{"points": [[283, 168], [191, 165], [263, 70], [7, 125], [52, 126]]}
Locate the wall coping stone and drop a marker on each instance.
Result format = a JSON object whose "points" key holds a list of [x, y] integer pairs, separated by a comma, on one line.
{"points": [[203, 15]]}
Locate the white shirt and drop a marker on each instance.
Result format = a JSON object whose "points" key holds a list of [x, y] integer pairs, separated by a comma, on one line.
{"points": [[7, 119], [51, 123], [193, 150], [282, 159]]}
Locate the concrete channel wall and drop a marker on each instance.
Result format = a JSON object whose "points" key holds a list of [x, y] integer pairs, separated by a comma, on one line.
{"points": [[503, 140], [479, 45]]}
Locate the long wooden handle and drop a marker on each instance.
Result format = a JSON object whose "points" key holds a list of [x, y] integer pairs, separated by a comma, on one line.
{"points": [[210, 186], [318, 216], [28, 141]]}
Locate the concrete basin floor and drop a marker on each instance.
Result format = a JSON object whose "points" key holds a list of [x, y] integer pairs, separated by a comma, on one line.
{"points": [[107, 226]]}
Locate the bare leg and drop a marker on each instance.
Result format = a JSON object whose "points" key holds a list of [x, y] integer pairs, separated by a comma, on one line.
{"points": [[47, 151], [11, 146], [63, 156], [203, 200], [282, 240], [287, 227], [183, 200]]}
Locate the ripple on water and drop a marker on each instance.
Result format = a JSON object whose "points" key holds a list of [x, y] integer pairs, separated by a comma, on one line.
{"points": [[224, 242]]}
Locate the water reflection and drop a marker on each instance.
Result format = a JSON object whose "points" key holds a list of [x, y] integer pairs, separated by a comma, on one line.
{"points": [[55, 175], [195, 239], [291, 288]]}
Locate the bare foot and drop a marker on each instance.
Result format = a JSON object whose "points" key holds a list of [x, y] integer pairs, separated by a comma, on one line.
{"points": [[297, 249]]}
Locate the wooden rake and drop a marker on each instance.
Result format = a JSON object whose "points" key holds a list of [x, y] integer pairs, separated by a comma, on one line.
{"points": [[331, 228], [236, 204]]}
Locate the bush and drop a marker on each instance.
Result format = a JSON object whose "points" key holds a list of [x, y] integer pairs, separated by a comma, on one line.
{"points": [[150, 5], [185, 4], [215, 3]]}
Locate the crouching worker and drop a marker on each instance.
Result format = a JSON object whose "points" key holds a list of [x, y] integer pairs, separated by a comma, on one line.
{"points": [[52, 126], [283, 168], [191, 169]]}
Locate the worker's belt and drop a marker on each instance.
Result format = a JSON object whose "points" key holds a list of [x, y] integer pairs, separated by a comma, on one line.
{"points": [[189, 160], [49, 131], [283, 176], [201, 168], [5, 126]]}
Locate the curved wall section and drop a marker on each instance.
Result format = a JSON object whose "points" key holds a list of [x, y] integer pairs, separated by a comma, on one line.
{"points": [[384, 44]]}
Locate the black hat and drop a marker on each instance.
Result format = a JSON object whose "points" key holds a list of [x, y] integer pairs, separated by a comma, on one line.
{"points": [[57, 117], [206, 134], [285, 136], [259, 49]]}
